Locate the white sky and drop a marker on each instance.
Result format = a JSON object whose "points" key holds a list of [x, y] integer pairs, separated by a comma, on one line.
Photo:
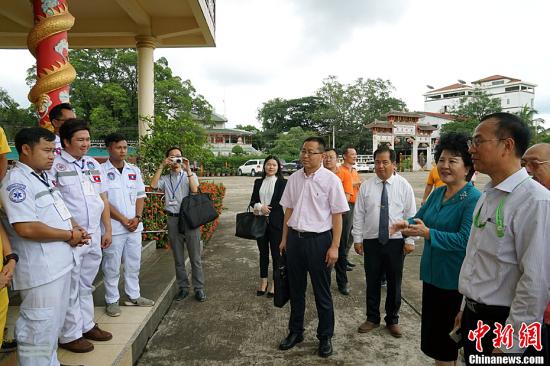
{"points": [[285, 48]]}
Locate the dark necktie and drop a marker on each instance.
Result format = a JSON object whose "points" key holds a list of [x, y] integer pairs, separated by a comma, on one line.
{"points": [[383, 224]]}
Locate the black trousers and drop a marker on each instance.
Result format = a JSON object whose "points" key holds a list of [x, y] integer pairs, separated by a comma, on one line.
{"points": [[303, 256], [490, 316], [342, 262], [381, 259], [270, 241]]}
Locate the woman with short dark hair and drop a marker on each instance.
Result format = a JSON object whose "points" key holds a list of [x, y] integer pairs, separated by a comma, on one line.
{"points": [[444, 222], [265, 199]]}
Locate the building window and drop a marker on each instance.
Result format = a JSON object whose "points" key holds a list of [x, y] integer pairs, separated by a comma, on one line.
{"points": [[511, 89], [508, 101]]}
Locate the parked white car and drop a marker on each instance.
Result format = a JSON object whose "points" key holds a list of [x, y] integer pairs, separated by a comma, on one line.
{"points": [[363, 168], [251, 167]]}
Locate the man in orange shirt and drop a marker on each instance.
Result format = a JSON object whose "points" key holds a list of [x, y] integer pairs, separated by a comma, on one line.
{"points": [[350, 157], [434, 181], [330, 162]]}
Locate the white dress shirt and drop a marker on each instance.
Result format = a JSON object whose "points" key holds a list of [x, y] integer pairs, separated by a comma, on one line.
{"points": [[511, 270], [266, 192], [366, 214], [314, 199]]}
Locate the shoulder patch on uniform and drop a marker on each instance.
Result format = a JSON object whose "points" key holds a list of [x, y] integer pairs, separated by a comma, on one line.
{"points": [[132, 176], [17, 195], [90, 165], [111, 176], [15, 185], [61, 167]]}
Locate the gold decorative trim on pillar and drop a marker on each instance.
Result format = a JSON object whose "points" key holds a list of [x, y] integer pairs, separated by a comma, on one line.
{"points": [[47, 42]]}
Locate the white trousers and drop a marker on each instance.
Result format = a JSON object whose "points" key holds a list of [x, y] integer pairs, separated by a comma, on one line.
{"points": [[125, 249], [41, 316], [80, 315]]}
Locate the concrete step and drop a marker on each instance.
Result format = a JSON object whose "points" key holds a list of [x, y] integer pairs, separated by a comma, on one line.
{"points": [[134, 327]]}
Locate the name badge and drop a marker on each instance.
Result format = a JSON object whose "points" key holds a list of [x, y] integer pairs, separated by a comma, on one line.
{"points": [[172, 203], [62, 210], [88, 188]]}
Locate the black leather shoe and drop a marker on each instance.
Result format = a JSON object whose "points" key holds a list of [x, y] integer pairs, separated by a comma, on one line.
{"points": [[325, 347], [182, 294], [344, 290], [200, 295], [290, 341]]}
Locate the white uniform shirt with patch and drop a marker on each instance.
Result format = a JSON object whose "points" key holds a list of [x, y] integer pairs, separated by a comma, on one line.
{"points": [[123, 190], [58, 146], [80, 183], [27, 199]]}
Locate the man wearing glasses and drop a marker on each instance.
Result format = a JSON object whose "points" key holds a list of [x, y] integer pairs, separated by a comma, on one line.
{"points": [[505, 275], [314, 202], [58, 115], [537, 162]]}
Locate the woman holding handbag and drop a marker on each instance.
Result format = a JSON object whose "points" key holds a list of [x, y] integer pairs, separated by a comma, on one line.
{"points": [[265, 199]]}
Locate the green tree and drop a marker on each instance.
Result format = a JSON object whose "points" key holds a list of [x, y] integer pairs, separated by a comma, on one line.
{"points": [[288, 144], [166, 133], [348, 107], [238, 150], [535, 125], [469, 111], [13, 117]]}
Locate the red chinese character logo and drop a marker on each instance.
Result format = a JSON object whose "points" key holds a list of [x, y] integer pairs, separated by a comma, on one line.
{"points": [[478, 333], [529, 335], [503, 336]]}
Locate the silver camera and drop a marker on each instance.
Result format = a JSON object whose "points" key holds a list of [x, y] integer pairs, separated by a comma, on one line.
{"points": [[177, 160]]}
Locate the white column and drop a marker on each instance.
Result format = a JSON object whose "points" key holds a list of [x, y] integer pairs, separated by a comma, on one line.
{"points": [[415, 165], [429, 156], [146, 82]]}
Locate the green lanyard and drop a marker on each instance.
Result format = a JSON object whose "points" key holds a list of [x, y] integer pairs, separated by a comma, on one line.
{"points": [[499, 215]]}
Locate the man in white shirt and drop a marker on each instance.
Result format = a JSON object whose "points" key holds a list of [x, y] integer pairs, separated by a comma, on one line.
{"points": [[383, 200], [314, 201], [58, 115], [83, 187], [43, 240], [505, 276], [126, 194]]}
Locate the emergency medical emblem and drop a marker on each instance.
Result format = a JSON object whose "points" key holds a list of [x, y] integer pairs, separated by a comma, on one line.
{"points": [[17, 195], [111, 176], [132, 176], [90, 165], [96, 178], [61, 167]]}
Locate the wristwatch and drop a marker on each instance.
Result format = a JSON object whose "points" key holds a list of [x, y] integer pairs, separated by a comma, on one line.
{"points": [[11, 256]]}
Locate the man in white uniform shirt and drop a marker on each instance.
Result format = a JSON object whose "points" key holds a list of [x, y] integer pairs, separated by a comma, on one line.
{"points": [[505, 276], [383, 200], [82, 184], [43, 237], [58, 115], [314, 201], [126, 193]]}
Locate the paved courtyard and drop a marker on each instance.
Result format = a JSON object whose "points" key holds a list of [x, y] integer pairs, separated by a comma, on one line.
{"points": [[235, 327]]}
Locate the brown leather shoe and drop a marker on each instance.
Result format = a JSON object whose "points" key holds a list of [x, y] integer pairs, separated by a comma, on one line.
{"points": [[79, 345], [395, 330], [97, 334], [367, 326]]}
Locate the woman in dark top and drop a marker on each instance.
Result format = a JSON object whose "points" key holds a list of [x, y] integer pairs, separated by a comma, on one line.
{"points": [[265, 199]]}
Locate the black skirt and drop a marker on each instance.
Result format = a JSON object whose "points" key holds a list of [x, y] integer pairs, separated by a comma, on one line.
{"points": [[439, 309]]}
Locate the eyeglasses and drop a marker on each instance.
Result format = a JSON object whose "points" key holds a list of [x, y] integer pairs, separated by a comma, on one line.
{"points": [[533, 164], [309, 153], [476, 142]]}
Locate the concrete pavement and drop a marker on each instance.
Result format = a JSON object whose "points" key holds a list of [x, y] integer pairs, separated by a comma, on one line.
{"points": [[235, 327]]}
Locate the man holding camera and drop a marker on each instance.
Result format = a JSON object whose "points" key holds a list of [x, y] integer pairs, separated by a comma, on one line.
{"points": [[178, 184]]}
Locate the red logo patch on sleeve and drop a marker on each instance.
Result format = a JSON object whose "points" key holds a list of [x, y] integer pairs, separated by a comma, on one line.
{"points": [[96, 178], [132, 176]]}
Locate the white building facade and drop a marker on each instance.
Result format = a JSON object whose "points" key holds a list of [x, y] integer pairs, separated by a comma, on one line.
{"points": [[514, 94]]}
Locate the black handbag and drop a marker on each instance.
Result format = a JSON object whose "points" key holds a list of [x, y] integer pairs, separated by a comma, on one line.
{"points": [[250, 226], [196, 209], [280, 278]]}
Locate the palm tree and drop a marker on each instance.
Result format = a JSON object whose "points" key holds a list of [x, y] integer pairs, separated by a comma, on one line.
{"points": [[536, 125]]}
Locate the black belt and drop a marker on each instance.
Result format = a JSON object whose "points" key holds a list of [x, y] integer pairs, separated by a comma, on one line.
{"points": [[307, 234], [479, 308], [171, 214]]}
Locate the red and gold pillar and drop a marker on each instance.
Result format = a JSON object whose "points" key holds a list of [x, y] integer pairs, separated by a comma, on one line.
{"points": [[48, 43]]}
